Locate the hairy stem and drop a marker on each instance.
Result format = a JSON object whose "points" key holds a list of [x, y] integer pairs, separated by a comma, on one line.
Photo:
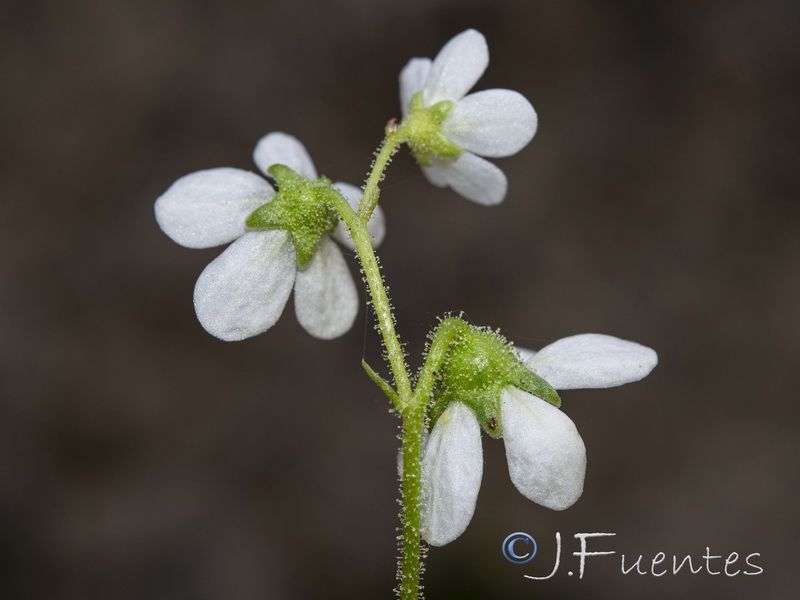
{"points": [[411, 551], [410, 405], [442, 338], [391, 143], [380, 299]]}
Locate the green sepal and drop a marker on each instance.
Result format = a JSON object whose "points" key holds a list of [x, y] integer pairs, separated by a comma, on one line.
{"points": [[301, 207], [479, 364], [422, 130], [531, 382]]}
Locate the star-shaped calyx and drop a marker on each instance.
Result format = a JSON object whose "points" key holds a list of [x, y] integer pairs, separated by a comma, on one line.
{"points": [[422, 129], [301, 207], [479, 365]]}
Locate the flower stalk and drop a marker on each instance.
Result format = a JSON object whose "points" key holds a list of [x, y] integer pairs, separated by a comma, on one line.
{"points": [[391, 144], [409, 404], [357, 225]]}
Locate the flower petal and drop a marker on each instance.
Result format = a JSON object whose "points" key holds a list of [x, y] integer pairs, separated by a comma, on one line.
{"points": [[436, 174], [243, 291], [452, 468], [471, 176], [592, 360], [525, 354], [412, 78], [376, 225], [491, 123], [457, 67], [546, 456], [282, 148], [209, 208], [325, 296]]}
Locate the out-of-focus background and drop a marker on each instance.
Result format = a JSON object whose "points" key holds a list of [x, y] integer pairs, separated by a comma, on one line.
{"points": [[141, 458]]}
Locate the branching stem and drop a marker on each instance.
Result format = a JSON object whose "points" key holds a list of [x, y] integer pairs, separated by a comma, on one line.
{"points": [[409, 403]]}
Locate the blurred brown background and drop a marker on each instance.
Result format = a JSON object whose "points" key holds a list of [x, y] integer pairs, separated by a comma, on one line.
{"points": [[141, 458]]}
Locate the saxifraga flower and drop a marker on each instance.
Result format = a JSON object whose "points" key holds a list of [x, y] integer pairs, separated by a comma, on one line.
{"points": [[546, 455], [243, 291], [449, 130]]}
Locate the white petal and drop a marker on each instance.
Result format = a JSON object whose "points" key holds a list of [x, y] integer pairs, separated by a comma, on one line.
{"points": [[457, 67], [592, 360], [325, 296], [436, 174], [452, 468], [412, 78], [471, 176], [209, 208], [491, 123], [282, 148], [243, 291], [546, 456], [376, 225]]}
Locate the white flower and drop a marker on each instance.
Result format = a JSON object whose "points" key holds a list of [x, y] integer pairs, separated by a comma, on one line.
{"points": [[546, 455], [491, 123], [243, 291]]}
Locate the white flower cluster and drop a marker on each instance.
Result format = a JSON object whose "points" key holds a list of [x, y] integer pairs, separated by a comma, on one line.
{"points": [[279, 243]]}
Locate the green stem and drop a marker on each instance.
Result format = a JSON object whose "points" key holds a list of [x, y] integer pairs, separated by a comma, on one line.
{"points": [[411, 550], [391, 143], [442, 338], [380, 300], [410, 405]]}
